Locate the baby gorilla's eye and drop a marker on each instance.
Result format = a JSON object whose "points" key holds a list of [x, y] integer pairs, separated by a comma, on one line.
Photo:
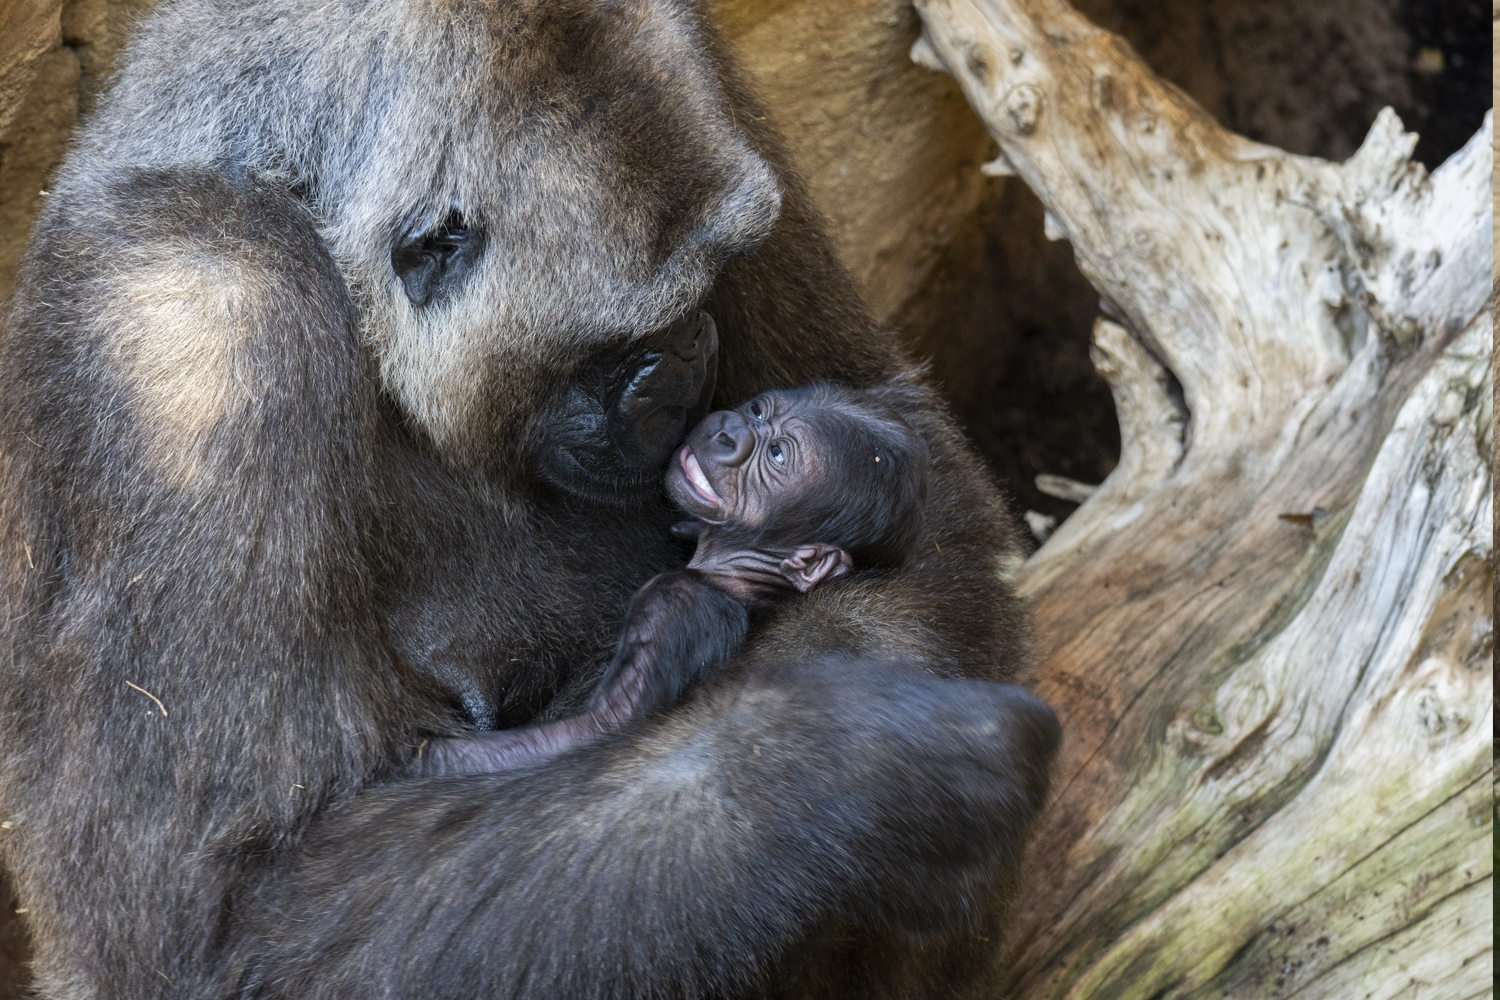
{"points": [[756, 410], [777, 453]]}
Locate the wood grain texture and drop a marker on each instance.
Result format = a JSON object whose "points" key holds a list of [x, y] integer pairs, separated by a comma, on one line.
{"points": [[1269, 632]]}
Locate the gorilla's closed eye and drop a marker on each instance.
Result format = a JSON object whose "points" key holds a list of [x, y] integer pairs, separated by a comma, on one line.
{"points": [[431, 262]]}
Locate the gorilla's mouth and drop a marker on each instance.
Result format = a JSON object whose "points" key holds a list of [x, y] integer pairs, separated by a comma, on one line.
{"points": [[609, 432], [566, 470], [692, 471]]}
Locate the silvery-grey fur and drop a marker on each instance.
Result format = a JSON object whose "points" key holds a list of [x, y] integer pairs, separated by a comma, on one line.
{"points": [[266, 523]]}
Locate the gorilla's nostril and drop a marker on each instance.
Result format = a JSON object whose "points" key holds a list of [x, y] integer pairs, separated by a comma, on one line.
{"points": [[619, 420], [667, 385], [688, 338]]}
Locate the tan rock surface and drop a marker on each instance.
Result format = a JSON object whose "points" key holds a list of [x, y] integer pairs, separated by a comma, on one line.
{"points": [[53, 57]]}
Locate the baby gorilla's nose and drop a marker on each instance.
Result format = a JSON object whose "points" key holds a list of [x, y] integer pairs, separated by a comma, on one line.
{"points": [[729, 440]]}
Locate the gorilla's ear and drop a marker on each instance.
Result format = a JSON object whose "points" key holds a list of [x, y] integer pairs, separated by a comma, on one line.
{"points": [[809, 564], [431, 261]]}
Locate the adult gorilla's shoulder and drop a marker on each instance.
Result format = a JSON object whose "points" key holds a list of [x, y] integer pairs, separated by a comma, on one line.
{"points": [[283, 493]]}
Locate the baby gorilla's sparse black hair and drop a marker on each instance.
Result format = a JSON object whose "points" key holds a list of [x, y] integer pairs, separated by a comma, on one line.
{"points": [[869, 499]]}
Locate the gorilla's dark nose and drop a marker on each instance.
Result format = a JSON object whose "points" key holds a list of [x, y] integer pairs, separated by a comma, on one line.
{"points": [[728, 439], [667, 392], [607, 433]]}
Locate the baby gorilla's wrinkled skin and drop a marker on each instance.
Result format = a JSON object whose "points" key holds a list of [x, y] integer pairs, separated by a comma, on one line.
{"points": [[737, 469], [784, 491]]}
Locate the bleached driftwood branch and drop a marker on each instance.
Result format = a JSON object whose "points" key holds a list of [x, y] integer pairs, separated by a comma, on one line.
{"points": [[1269, 631]]}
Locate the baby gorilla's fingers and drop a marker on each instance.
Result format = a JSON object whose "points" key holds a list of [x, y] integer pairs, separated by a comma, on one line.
{"points": [[679, 628]]}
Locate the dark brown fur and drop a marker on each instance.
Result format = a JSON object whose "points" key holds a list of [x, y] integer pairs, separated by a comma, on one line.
{"points": [[264, 525]]}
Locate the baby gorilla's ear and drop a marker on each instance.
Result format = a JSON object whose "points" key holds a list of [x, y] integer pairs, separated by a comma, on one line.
{"points": [[810, 563]]}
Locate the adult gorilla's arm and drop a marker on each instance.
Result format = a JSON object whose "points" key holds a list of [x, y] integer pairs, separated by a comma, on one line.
{"points": [[780, 811], [193, 663], [201, 699]]}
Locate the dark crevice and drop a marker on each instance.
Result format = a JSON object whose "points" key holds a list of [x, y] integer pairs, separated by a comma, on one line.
{"points": [[1006, 322], [1452, 73]]}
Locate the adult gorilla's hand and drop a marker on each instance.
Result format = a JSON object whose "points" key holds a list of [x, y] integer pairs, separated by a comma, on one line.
{"points": [[913, 791], [780, 810]]}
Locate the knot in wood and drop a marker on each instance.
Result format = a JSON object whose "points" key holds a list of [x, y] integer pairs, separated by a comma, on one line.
{"points": [[981, 62], [1024, 105]]}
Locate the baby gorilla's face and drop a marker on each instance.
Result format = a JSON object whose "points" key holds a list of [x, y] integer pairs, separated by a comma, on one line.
{"points": [[740, 465]]}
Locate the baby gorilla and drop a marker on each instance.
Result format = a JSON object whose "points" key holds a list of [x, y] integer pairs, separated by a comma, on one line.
{"points": [[789, 489]]}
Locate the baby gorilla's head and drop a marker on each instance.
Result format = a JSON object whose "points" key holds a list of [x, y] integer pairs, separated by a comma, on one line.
{"points": [[811, 480]]}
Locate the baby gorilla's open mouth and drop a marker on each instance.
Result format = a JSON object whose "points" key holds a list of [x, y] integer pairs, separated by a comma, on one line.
{"points": [[696, 480]]}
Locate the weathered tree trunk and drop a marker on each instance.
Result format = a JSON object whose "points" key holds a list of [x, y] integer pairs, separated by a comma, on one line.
{"points": [[1268, 633]]}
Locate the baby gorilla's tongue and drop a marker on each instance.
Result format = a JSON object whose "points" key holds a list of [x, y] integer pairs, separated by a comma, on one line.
{"points": [[697, 479]]}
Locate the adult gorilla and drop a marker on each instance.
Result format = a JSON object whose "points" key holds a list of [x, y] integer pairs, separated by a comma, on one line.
{"points": [[337, 386]]}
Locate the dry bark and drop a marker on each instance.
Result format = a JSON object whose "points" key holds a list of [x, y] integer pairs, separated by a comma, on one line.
{"points": [[1269, 631], [54, 54]]}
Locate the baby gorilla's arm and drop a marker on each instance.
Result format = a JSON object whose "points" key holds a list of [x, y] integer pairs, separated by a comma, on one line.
{"points": [[680, 625], [504, 749]]}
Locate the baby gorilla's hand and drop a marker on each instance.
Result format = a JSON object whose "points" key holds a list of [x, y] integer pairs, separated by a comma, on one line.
{"points": [[679, 628]]}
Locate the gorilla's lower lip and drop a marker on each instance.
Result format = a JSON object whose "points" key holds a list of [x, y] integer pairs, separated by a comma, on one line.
{"points": [[575, 475], [696, 480]]}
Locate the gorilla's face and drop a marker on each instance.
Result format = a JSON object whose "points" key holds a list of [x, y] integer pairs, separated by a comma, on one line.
{"points": [[530, 271]]}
